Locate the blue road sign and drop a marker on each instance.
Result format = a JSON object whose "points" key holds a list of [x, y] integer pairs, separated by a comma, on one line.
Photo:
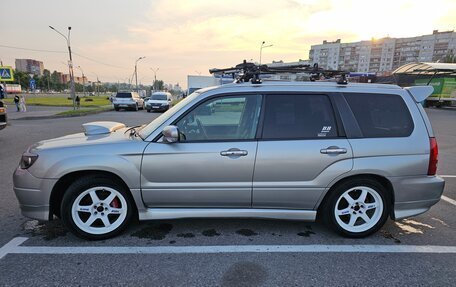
{"points": [[32, 84]]}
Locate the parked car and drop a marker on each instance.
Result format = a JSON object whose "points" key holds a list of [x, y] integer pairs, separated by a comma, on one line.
{"points": [[352, 154], [159, 101], [3, 116], [128, 100]]}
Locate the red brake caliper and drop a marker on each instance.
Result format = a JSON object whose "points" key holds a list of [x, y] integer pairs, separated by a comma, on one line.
{"points": [[115, 203]]}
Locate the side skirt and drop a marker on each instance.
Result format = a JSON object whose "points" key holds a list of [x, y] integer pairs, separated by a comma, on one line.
{"points": [[174, 213]]}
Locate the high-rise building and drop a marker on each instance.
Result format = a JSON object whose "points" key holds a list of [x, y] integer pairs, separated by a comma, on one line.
{"points": [[30, 66], [386, 54]]}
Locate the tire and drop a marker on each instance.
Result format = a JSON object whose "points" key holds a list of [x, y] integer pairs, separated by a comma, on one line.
{"points": [[349, 215], [86, 200], [148, 110], [116, 108]]}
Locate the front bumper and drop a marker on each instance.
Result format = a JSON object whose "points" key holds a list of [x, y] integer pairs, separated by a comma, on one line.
{"points": [[415, 195], [33, 194], [157, 108]]}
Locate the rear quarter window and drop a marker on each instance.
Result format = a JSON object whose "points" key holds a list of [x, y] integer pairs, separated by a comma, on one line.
{"points": [[381, 115]]}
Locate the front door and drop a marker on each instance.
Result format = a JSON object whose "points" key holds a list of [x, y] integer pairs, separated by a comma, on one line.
{"points": [[212, 164]]}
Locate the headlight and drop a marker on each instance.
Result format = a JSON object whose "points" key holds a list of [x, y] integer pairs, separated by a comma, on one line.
{"points": [[27, 160]]}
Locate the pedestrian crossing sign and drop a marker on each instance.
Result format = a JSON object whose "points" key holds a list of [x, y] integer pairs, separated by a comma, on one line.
{"points": [[6, 74]]}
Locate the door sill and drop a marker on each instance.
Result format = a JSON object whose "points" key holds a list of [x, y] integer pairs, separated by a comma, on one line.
{"points": [[175, 213]]}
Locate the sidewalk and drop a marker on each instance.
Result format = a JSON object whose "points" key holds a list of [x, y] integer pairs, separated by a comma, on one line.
{"points": [[34, 111]]}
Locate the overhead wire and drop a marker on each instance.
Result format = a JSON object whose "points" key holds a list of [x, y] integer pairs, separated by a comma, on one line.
{"points": [[62, 52]]}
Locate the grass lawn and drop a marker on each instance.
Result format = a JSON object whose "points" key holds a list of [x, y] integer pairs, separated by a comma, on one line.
{"points": [[63, 101], [83, 112]]}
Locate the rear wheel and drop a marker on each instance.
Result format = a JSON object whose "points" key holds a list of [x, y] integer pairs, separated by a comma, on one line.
{"points": [[357, 208], [116, 108], [96, 208]]}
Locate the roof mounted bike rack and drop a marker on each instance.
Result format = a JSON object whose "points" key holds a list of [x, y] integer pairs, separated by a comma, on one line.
{"points": [[250, 72]]}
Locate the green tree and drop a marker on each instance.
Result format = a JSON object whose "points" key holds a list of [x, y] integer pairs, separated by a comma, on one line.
{"points": [[158, 85], [450, 58]]}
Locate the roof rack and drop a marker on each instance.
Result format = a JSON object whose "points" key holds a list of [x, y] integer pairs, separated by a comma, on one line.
{"points": [[250, 72]]}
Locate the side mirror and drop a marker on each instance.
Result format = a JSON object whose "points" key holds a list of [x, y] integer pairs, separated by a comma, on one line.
{"points": [[169, 100], [170, 134]]}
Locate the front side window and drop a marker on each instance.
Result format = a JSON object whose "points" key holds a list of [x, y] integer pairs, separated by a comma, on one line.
{"points": [[298, 117], [224, 118]]}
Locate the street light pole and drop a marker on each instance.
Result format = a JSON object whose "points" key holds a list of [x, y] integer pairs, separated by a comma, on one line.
{"points": [[263, 46], [70, 64], [136, 71], [83, 81], [155, 76]]}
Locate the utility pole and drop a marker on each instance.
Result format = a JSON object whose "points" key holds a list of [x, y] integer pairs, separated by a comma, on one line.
{"points": [[70, 64], [136, 71], [83, 81], [155, 76]]}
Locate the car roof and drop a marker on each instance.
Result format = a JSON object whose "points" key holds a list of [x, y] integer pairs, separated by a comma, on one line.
{"points": [[318, 84], [160, 93]]}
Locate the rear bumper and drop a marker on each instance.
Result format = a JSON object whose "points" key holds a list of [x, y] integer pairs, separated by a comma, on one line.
{"points": [[414, 195]]}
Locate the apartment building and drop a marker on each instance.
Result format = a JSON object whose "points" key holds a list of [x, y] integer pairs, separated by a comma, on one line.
{"points": [[30, 66], [386, 54]]}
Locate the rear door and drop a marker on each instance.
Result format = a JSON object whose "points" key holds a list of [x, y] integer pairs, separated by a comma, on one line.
{"points": [[301, 149]]}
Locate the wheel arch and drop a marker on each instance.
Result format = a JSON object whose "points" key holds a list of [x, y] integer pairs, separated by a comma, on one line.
{"points": [[65, 181], [379, 178]]}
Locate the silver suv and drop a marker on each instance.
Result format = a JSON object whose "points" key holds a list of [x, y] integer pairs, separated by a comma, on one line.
{"points": [[352, 154], [128, 100]]}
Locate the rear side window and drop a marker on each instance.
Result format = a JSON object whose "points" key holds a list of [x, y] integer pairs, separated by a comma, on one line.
{"points": [[123, 95], [298, 117], [381, 115]]}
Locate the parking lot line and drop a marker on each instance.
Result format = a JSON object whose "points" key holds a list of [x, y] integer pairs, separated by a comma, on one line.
{"points": [[13, 247], [449, 200], [448, 176]]}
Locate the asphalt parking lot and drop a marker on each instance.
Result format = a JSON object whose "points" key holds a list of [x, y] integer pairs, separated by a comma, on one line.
{"points": [[223, 252]]}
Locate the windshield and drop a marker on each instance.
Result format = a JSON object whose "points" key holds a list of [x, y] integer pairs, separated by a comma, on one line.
{"points": [[160, 97], [147, 130], [123, 95]]}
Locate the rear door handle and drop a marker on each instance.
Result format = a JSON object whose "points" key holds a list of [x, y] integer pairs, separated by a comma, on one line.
{"points": [[234, 152], [333, 150]]}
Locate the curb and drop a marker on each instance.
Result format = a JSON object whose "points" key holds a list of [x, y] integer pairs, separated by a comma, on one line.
{"points": [[60, 116]]}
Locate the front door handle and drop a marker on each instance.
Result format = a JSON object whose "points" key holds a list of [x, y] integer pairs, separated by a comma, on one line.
{"points": [[333, 150], [234, 152]]}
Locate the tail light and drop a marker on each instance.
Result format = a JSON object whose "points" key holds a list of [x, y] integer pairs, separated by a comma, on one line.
{"points": [[433, 157]]}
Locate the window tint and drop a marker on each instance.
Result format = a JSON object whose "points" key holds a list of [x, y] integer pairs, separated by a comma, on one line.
{"points": [[123, 95], [224, 118], [298, 116], [160, 97], [381, 115]]}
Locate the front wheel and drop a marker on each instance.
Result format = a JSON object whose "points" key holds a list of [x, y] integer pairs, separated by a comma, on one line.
{"points": [[96, 208], [357, 208]]}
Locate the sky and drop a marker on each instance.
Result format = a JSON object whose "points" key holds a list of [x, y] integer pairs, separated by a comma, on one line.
{"points": [[188, 37]]}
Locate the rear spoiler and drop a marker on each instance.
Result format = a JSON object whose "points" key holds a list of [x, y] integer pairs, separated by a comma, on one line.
{"points": [[420, 93]]}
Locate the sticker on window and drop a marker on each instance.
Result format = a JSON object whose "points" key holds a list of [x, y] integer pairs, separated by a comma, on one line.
{"points": [[324, 130]]}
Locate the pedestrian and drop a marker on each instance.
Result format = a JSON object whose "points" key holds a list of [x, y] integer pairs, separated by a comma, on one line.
{"points": [[78, 102], [22, 103], [2, 94], [16, 102]]}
